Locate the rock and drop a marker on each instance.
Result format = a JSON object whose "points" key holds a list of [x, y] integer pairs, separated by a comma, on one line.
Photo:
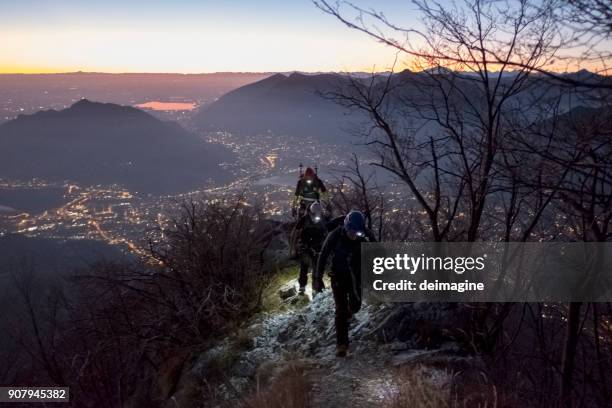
{"points": [[262, 354], [244, 368], [254, 330], [298, 301], [413, 357], [287, 333], [287, 291], [448, 355], [359, 328], [239, 384], [313, 346], [204, 360]]}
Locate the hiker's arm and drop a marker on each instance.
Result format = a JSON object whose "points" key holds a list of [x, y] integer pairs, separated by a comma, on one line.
{"points": [[296, 198], [322, 187]]}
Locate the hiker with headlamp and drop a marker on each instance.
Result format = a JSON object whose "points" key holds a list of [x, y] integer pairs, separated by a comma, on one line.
{"points": [[311, 230], [309, 189], [344, 246]]}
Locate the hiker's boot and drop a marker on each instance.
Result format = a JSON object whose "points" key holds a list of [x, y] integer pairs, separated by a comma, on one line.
{"points": [[302, 290], [341, 350]]}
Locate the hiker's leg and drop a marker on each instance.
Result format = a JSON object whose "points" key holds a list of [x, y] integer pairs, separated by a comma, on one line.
{"points": [[313, 264], [303, 279], [342, 311], [294, 242], [355, 292]]}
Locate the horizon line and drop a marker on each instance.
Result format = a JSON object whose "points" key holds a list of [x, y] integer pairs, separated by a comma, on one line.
{"points": [[259, 72]]}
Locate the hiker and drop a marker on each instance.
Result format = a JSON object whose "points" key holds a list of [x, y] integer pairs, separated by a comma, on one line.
{"points": [[344, 245], [311, 231], [309, 189]]}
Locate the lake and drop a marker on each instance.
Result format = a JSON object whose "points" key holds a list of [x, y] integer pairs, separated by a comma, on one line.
{"points": [[32, 200], [167, 106]]}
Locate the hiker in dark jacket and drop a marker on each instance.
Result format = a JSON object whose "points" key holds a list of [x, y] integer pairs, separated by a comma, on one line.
{"points": [[311, 232], [309, 189], [344, 246]]}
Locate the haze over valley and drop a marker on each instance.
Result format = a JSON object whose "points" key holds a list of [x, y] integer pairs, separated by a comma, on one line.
{"points": [[100, 171]]}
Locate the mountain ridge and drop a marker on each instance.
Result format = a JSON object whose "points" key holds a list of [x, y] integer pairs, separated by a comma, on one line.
{"points": [[105, 143], [285, 105]]}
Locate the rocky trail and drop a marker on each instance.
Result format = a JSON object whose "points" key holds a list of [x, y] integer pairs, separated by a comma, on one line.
{"points": [[301, 334], [359, 380]]}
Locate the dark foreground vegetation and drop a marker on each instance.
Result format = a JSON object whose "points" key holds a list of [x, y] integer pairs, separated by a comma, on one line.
{"points": [[109, 330]]}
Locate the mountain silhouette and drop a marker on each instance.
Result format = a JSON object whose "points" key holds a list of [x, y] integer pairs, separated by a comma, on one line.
{"points": [[300, 104], [293, 105], [102, 143]]}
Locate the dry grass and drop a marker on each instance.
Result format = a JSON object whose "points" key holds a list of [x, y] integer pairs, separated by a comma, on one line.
{"points": [[289, 389], [422, 387], [271, 302], [417, 389]]}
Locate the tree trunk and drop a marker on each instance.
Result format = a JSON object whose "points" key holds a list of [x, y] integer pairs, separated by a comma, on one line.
{"points": [[569, 353]]}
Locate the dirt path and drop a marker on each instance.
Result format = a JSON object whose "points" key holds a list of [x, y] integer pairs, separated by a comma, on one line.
{"points": [[362, 379], [301, 333]]}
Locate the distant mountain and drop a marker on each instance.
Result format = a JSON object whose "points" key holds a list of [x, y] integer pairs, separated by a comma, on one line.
{"points": [[583, 124], [27, 92], [291, 105], [102, 143], [294, 104]]}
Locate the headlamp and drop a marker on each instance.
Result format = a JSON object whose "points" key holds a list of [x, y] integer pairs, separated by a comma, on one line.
{"points": [[355, 234]]}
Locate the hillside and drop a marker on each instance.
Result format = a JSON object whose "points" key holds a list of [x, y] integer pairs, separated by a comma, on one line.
{"points": [[285, 357], [281, 104], [95, 143], [299, 104]]}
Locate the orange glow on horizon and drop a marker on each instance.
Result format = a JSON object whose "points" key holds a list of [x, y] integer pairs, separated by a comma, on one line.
{"points": [[16, 69], [32, 69]]}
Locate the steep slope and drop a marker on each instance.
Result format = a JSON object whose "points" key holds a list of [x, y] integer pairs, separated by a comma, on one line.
{"points": [[281, 104], [300, 335], [95, 143]]}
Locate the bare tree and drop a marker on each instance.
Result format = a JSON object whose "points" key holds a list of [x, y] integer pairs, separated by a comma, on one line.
{"points": [[593, 17], [483, 146], [442, 131], [108, 340], [499, 36]]}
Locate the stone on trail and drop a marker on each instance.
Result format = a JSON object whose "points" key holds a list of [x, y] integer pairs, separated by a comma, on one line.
{"points": [[287, 291]]}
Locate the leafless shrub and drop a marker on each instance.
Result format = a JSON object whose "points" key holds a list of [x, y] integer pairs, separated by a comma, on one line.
{"points": [[121, 322]]}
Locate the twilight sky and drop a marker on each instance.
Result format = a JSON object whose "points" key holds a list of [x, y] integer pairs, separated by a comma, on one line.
{"points": [[185, 36]]}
